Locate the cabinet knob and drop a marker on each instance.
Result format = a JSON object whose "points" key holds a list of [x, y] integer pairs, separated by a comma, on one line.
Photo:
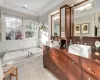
{"points": [[89, 78], [89, 69], [57, 71], [57, 61], [73, 62]]}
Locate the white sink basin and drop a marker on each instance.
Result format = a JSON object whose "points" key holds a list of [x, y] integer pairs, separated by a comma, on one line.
{"points": [[52, 44], [80, 50]]}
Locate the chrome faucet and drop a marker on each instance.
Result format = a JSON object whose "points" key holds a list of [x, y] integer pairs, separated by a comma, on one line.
{"points": [[81, 38], [30, 54]]}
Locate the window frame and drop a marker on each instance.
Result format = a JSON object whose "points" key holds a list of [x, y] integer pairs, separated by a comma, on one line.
{"points": [[13, 24]]}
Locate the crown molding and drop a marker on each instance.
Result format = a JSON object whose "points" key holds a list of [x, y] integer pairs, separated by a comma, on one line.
{"points": [[50, 6], [17, 9], [39, 13]]}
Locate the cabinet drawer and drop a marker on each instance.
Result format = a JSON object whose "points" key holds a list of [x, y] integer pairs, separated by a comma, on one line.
{"points": [[61, 75], [87, 76], [74, 71]]}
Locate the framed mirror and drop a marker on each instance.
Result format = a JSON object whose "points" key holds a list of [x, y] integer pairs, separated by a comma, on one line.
{"points": [[55, 25], [87, 20], [0, 32]]}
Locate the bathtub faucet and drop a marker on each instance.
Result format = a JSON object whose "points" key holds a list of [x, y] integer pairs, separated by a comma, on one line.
{"points": [[29, 54]]}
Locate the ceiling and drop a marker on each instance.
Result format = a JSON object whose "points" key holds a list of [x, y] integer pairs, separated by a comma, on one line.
{"points": [[72, 2], [38, 7], [33, 5]]}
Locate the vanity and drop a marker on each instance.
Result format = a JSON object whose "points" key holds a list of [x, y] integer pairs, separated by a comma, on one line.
{"points": [[75, 59], [66, 66]]}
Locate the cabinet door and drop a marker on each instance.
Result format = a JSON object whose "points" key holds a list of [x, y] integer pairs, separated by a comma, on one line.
{"points": [[75, 58], [91, 67], [59, 59], [87, 76], [74, 70]]}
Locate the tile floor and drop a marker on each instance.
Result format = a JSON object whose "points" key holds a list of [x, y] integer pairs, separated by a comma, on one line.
{"points": [[38, 72], [41, 74]]}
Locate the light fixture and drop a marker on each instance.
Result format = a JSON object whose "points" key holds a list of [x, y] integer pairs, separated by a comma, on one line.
{"points": [[55, 18], [84, 7], [72, 5], [25, 6]]}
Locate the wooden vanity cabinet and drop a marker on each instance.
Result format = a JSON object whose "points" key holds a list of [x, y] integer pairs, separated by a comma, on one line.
{"points": [[50, 62], [66, 66]]}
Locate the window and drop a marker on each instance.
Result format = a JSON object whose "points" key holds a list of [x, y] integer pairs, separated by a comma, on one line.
{"points": [[13, 28], [30, 28]]}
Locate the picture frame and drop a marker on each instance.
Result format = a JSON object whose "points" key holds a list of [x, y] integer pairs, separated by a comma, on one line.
{"points": [[77, 28], [85, 28]]}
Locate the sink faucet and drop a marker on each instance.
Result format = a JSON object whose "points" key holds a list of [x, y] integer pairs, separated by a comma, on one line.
{"points": [[81, 38]]}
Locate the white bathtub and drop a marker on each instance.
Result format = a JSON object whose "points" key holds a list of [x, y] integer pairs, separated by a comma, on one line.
{"points": [[24, 64], [15, 56], [36, 51], [22, 54]]}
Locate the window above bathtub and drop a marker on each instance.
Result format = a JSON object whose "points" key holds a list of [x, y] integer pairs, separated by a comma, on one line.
{"points": [[30, 28], [18, 28], [13, 28]]}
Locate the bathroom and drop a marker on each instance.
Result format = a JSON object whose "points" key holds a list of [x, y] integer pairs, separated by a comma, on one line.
{"points": [[29, 42]]}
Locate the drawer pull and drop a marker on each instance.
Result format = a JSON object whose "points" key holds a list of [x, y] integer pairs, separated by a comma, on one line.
{"points": [[91, 70], [89, 78], [73, 62], [57, 71]]}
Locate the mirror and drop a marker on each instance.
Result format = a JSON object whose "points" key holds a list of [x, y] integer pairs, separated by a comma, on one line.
{"points": [[63, 22], [0, 33], [55, 24], [87, 20]]}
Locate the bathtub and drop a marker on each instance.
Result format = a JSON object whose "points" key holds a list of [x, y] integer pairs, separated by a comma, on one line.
{"points": [[36, 51], [22, 54], [15, 56], [26, 65]]}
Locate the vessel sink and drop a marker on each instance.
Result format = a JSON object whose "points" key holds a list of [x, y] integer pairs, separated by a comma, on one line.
{"points": [[80, 50], [52, 43]]}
